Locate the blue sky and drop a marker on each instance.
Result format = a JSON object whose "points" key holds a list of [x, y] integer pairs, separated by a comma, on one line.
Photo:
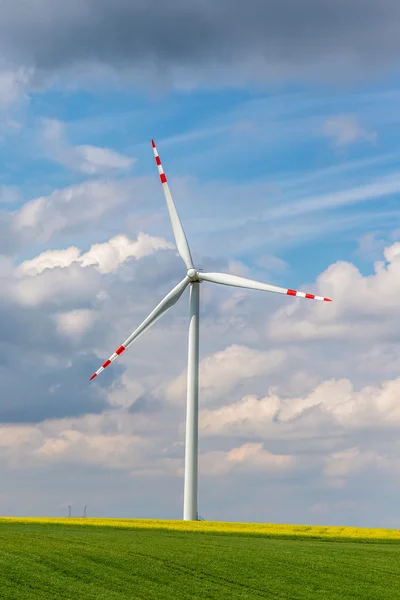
{"points": [[271, 143], [278, 131]]}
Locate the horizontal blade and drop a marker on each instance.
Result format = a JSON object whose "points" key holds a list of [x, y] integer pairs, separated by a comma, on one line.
{"points": [[180, 237], [235, 281], [165, 304]]}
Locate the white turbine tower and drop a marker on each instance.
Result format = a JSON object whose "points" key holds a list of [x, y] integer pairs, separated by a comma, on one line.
{"points": [[193, 278]]}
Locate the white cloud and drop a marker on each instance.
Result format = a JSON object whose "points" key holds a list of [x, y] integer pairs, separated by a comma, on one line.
{"points": [[98, 160], [80, 441], [347, 461], [61, 273], [392, 253], [346, 130], [125, 392], [90, 160], [110, 255], [222, 371], [249, 457], [69, 208], [384, 186], [63, 286], [329, 405], [351, 462], [74, 322], [48, 260], [234, 301], [249, 416], [119, 451], [106, 257], [363, 307], [370, 246], [108, 441], [17, 442]]}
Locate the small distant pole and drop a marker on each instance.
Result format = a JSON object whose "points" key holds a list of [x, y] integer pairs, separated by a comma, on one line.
{"points": [[84, 512], [69, 510]]}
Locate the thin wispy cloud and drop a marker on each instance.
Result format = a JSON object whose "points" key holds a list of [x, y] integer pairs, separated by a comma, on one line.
{"points": [[345, 130], [86, 159]]}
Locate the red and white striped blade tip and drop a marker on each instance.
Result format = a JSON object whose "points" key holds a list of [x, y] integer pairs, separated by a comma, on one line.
{"points": [[309, 296], [161, 173], [108, 362]]}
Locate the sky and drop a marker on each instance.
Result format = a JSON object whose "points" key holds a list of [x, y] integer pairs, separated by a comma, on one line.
{"points": [[278, 126]]}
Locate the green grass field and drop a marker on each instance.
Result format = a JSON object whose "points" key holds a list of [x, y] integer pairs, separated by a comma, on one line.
{"points": [[115, 560]]}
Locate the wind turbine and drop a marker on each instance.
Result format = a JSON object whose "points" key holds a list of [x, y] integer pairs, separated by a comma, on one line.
{"points": [[193, 278]]}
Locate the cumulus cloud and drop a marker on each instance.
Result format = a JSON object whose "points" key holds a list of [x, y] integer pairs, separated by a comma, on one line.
{"points": [[112, 441], [363, 307], [74, 322], [65, 287], [48, 260], [250, 456], [333, 403], [82, 440], [108, 451], [371, 246], [106, 257], [126, 391], [69, 208], [72, 278], [89, 160], [350, 461], [50, 306], [222, 371]]}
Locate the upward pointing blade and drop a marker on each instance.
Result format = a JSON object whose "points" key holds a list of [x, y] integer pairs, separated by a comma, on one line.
{"points": [[170, 299], [235, 281], [180, 237]]}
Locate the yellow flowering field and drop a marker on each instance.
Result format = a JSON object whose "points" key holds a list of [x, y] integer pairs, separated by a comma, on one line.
{"points": [[258, 529]]}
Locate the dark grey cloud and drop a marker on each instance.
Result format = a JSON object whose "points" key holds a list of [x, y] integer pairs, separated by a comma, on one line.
{"points": [[33, 395], [42, 373], [44, 370], [258, 37]]}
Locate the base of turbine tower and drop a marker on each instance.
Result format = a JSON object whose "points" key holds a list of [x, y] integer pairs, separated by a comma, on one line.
{"points": [[190, 512]]}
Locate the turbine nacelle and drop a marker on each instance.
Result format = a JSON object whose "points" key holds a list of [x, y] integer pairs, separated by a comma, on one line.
{"points": [[193, 275]]}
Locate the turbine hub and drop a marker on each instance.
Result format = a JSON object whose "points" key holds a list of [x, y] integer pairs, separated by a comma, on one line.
{"points": [[192, 274]]}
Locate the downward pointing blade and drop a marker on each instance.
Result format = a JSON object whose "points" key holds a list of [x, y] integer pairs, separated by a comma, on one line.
{"points": [[165, 304], [180, 237], [235, 281]]}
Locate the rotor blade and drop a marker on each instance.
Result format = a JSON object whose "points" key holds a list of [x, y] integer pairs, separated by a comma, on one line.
{"points": [[180, 237], [235, 281], [165, 304]]}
